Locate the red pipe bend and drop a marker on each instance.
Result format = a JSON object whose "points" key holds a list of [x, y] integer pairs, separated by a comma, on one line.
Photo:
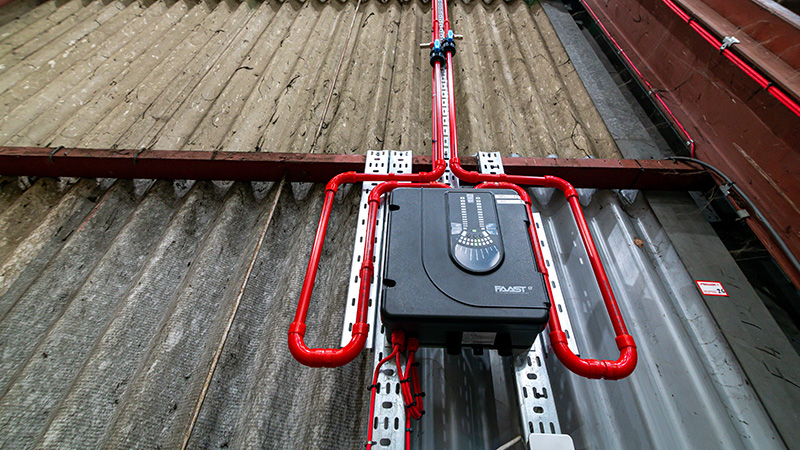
{"points": [[326, 357], [335, 357], [592, 368], [589, 368]]}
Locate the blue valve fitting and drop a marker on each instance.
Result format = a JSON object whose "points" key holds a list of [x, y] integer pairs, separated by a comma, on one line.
{"points": [[449, 45], [436, 53]]}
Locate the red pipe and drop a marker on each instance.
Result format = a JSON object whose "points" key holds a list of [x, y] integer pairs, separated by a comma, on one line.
{"points": [[589, 368], [329, 357]]}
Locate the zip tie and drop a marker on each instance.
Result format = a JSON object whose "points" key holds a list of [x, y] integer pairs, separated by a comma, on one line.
{"points": [[371, 387]]}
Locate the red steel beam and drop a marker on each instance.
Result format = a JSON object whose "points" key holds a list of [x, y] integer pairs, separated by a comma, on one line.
{"points": [[241, 166]]}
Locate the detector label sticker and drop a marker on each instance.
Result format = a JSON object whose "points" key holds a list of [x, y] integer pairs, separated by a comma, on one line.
{"points": [[477, 338], [713, 288]]}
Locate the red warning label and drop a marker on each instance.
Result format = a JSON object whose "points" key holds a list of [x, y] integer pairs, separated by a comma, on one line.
{"points": [[711, 288]]}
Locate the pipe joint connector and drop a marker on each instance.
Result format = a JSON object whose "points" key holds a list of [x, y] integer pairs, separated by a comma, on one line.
{"points": [[360, 328], [625, 341], [298, 328], [437, 55], [338, 180]]}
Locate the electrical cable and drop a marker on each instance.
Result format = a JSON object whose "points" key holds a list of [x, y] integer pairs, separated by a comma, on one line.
{"points": [[761, 218], [374, 387]]}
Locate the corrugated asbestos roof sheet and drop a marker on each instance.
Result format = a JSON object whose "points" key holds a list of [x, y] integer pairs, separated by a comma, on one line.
{"points": [[114, 300], [255, 76]]}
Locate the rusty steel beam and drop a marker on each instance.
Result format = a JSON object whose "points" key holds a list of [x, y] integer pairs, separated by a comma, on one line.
{"points": [[239, 166]]}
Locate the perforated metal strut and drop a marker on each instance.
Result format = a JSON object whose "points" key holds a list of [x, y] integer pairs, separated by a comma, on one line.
{"points": [[388, 423], [535, 393]]}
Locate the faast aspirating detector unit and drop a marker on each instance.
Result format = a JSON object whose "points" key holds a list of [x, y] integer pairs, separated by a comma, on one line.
{"points": [[460, 270]]}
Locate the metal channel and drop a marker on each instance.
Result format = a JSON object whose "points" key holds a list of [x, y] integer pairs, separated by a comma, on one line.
{"points": [[555, 285], [389, 421], [536, 401], [534, 391], [377, 162], [447, 177]]}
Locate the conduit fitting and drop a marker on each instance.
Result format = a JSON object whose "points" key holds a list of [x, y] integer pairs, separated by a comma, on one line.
{"points": [[449, 45], [562, 185], [326, 357], [592, 368], [338, 180], [412, 344], [399, 339], [437, 56]]}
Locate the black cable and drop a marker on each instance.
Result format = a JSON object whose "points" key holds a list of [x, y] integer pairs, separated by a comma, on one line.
{"points": [[761, 218]]}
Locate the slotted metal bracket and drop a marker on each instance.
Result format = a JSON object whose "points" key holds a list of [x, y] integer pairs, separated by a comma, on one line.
{"points": [[388, 422], [448, 177], [555, 285], [377, 162], [536, 402], [490, 163]]}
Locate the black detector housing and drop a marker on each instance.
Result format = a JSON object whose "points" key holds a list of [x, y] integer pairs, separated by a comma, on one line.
{"points": [[460, 270]]}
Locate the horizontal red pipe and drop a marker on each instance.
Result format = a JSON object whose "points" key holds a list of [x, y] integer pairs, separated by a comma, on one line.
{"points": [[241, 166]]}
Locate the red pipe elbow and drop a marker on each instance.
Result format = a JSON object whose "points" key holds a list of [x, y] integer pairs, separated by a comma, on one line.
{"points": [[592, 368], [326, 357]]}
